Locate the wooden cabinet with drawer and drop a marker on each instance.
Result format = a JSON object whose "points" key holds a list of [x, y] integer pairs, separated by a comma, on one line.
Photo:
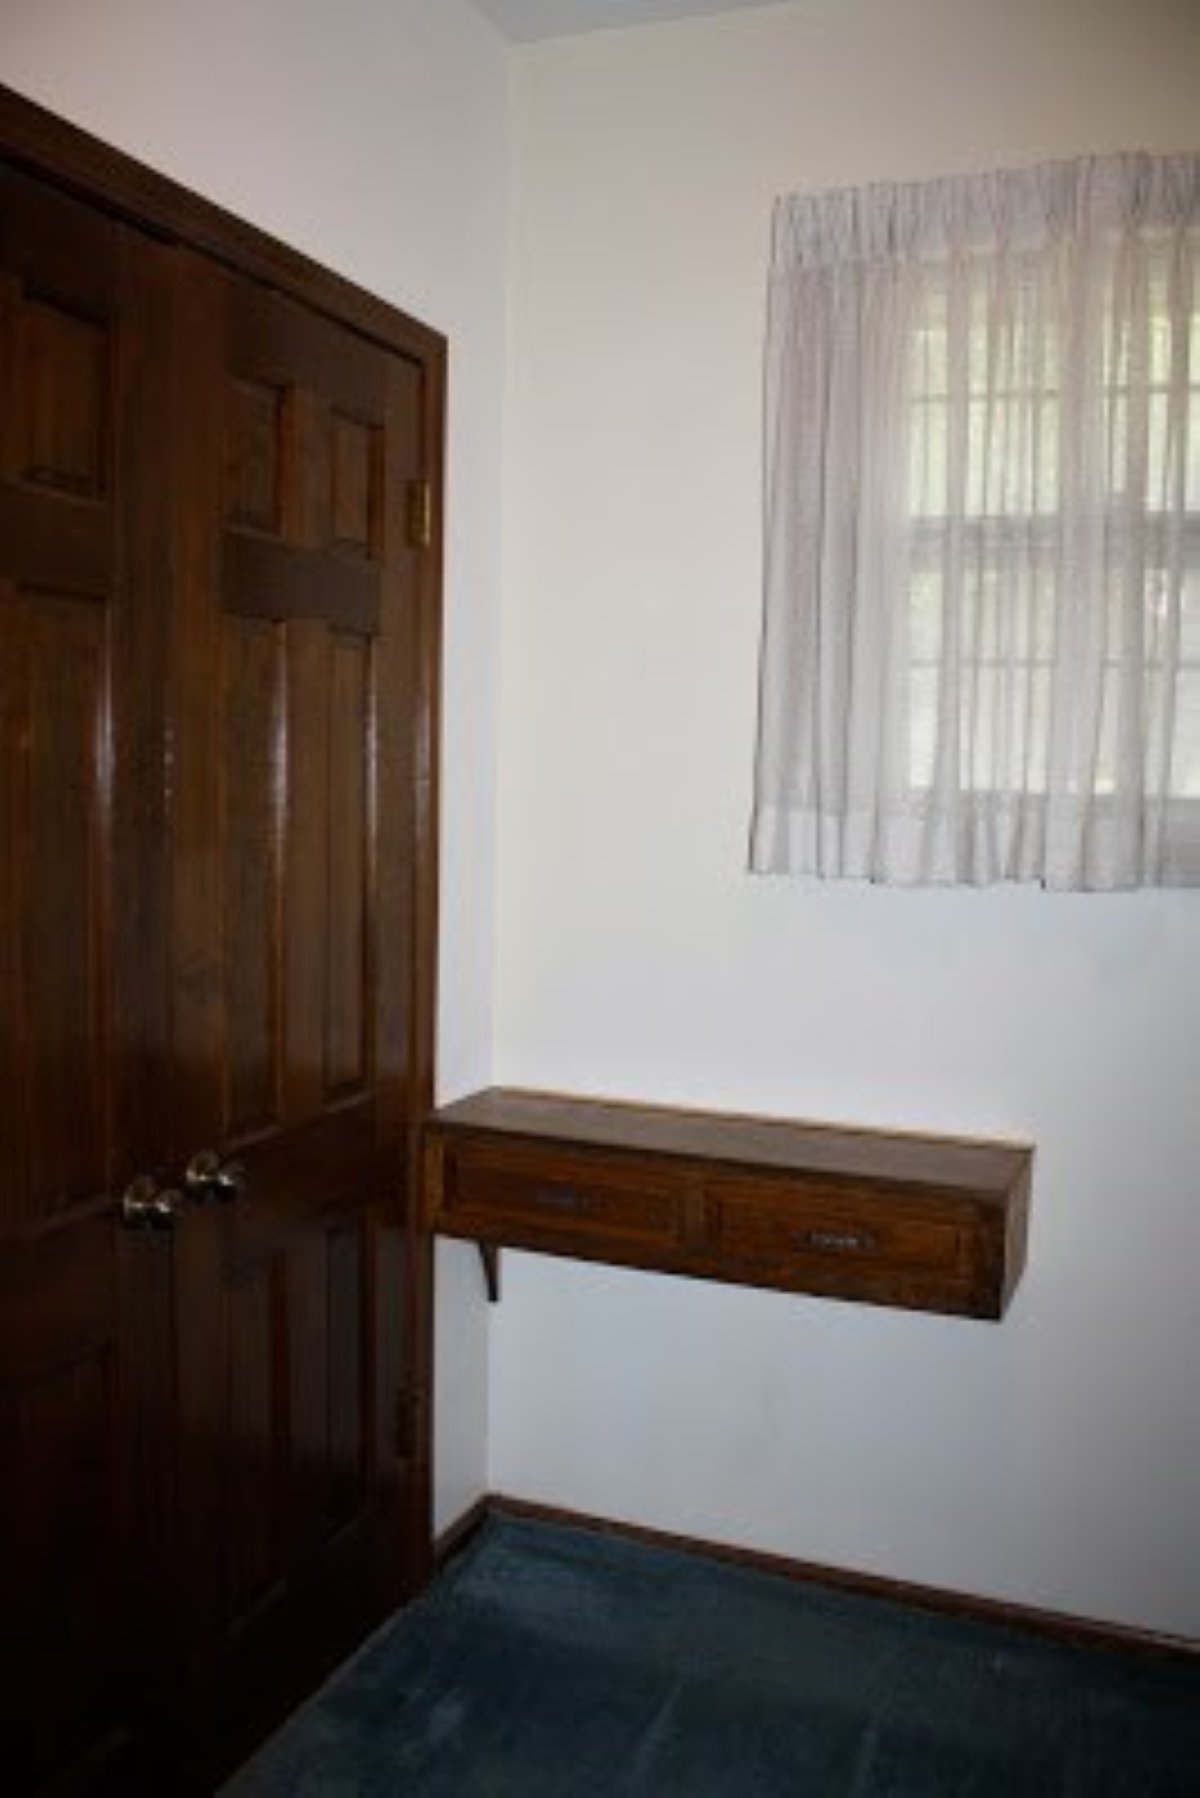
{"points": [[922, 1222], [563, 1202]]}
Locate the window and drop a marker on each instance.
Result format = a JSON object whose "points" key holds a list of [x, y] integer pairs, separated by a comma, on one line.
{"points": [[981, 651]]}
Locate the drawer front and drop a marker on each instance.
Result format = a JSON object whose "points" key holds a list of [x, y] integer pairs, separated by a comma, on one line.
{"points": [[826, 1231], [526, 1194]]}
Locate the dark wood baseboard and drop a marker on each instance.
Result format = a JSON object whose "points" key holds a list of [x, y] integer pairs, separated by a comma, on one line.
{"points": [[1081, 1632], [453, 1540]]}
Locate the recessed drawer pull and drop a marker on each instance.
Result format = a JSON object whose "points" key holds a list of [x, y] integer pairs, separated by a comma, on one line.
{"points": [[838, 1242], [561, 1198]]}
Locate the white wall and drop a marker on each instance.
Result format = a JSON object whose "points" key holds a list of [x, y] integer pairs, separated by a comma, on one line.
{"points": [[372, 134], [1054, 1460]]}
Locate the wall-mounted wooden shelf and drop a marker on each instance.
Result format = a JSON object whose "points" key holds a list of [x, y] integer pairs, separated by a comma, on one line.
{"points": [[928, 1223]]}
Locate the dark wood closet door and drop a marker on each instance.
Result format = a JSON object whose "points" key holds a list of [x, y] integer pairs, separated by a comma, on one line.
{"points": [[218, 655], [84, 1376], [294, 816]]}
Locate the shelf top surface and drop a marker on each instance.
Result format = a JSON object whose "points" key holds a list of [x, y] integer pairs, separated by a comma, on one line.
{"points": [[986, 1169]]}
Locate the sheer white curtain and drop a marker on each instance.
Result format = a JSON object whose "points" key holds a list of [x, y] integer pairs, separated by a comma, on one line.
{"points": [[981, 643]]}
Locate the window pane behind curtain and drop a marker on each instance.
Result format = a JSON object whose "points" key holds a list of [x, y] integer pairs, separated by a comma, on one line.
{"points": [[981, 654]]}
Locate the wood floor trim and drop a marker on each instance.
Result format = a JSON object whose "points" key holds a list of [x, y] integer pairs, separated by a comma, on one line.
{"points": [[1080, 1632], [455, 1538]]}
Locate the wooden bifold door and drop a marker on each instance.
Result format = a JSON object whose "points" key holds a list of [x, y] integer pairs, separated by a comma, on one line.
{"points": [[218, 664]]}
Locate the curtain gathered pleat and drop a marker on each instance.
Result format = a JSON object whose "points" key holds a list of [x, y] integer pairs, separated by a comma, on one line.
{"points": [[981, 644]]}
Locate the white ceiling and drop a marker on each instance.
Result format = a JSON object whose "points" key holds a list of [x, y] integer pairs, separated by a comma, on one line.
{"points": [[524, 21]]}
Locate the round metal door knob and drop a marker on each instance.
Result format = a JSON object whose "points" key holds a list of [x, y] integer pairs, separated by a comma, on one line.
{"points": [[209, 1177], [145, 1205]]}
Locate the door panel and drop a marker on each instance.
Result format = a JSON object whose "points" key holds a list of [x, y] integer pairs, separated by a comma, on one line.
{"points": [[53, 700], [291, 1044], [82, 1018], [253, 667]]}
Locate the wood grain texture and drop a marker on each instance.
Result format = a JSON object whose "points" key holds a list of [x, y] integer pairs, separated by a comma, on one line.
{"points": [[252, 829], [218, 702], [355, 457], [80, 165], [348, 850], [62, 405], [921, 1223], [288, 833], [254, 454], [264, 579], [81, 745], [985, 1168]]}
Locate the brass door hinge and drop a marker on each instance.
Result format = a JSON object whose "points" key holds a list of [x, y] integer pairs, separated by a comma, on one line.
{"points": [[420, 514]]}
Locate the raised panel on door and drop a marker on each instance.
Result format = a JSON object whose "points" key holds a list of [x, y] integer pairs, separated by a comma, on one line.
{"points": [[292, 972], [83, 309]]}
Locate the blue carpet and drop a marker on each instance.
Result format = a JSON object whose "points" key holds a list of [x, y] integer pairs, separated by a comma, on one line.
{"points": [[559, 1663]]}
